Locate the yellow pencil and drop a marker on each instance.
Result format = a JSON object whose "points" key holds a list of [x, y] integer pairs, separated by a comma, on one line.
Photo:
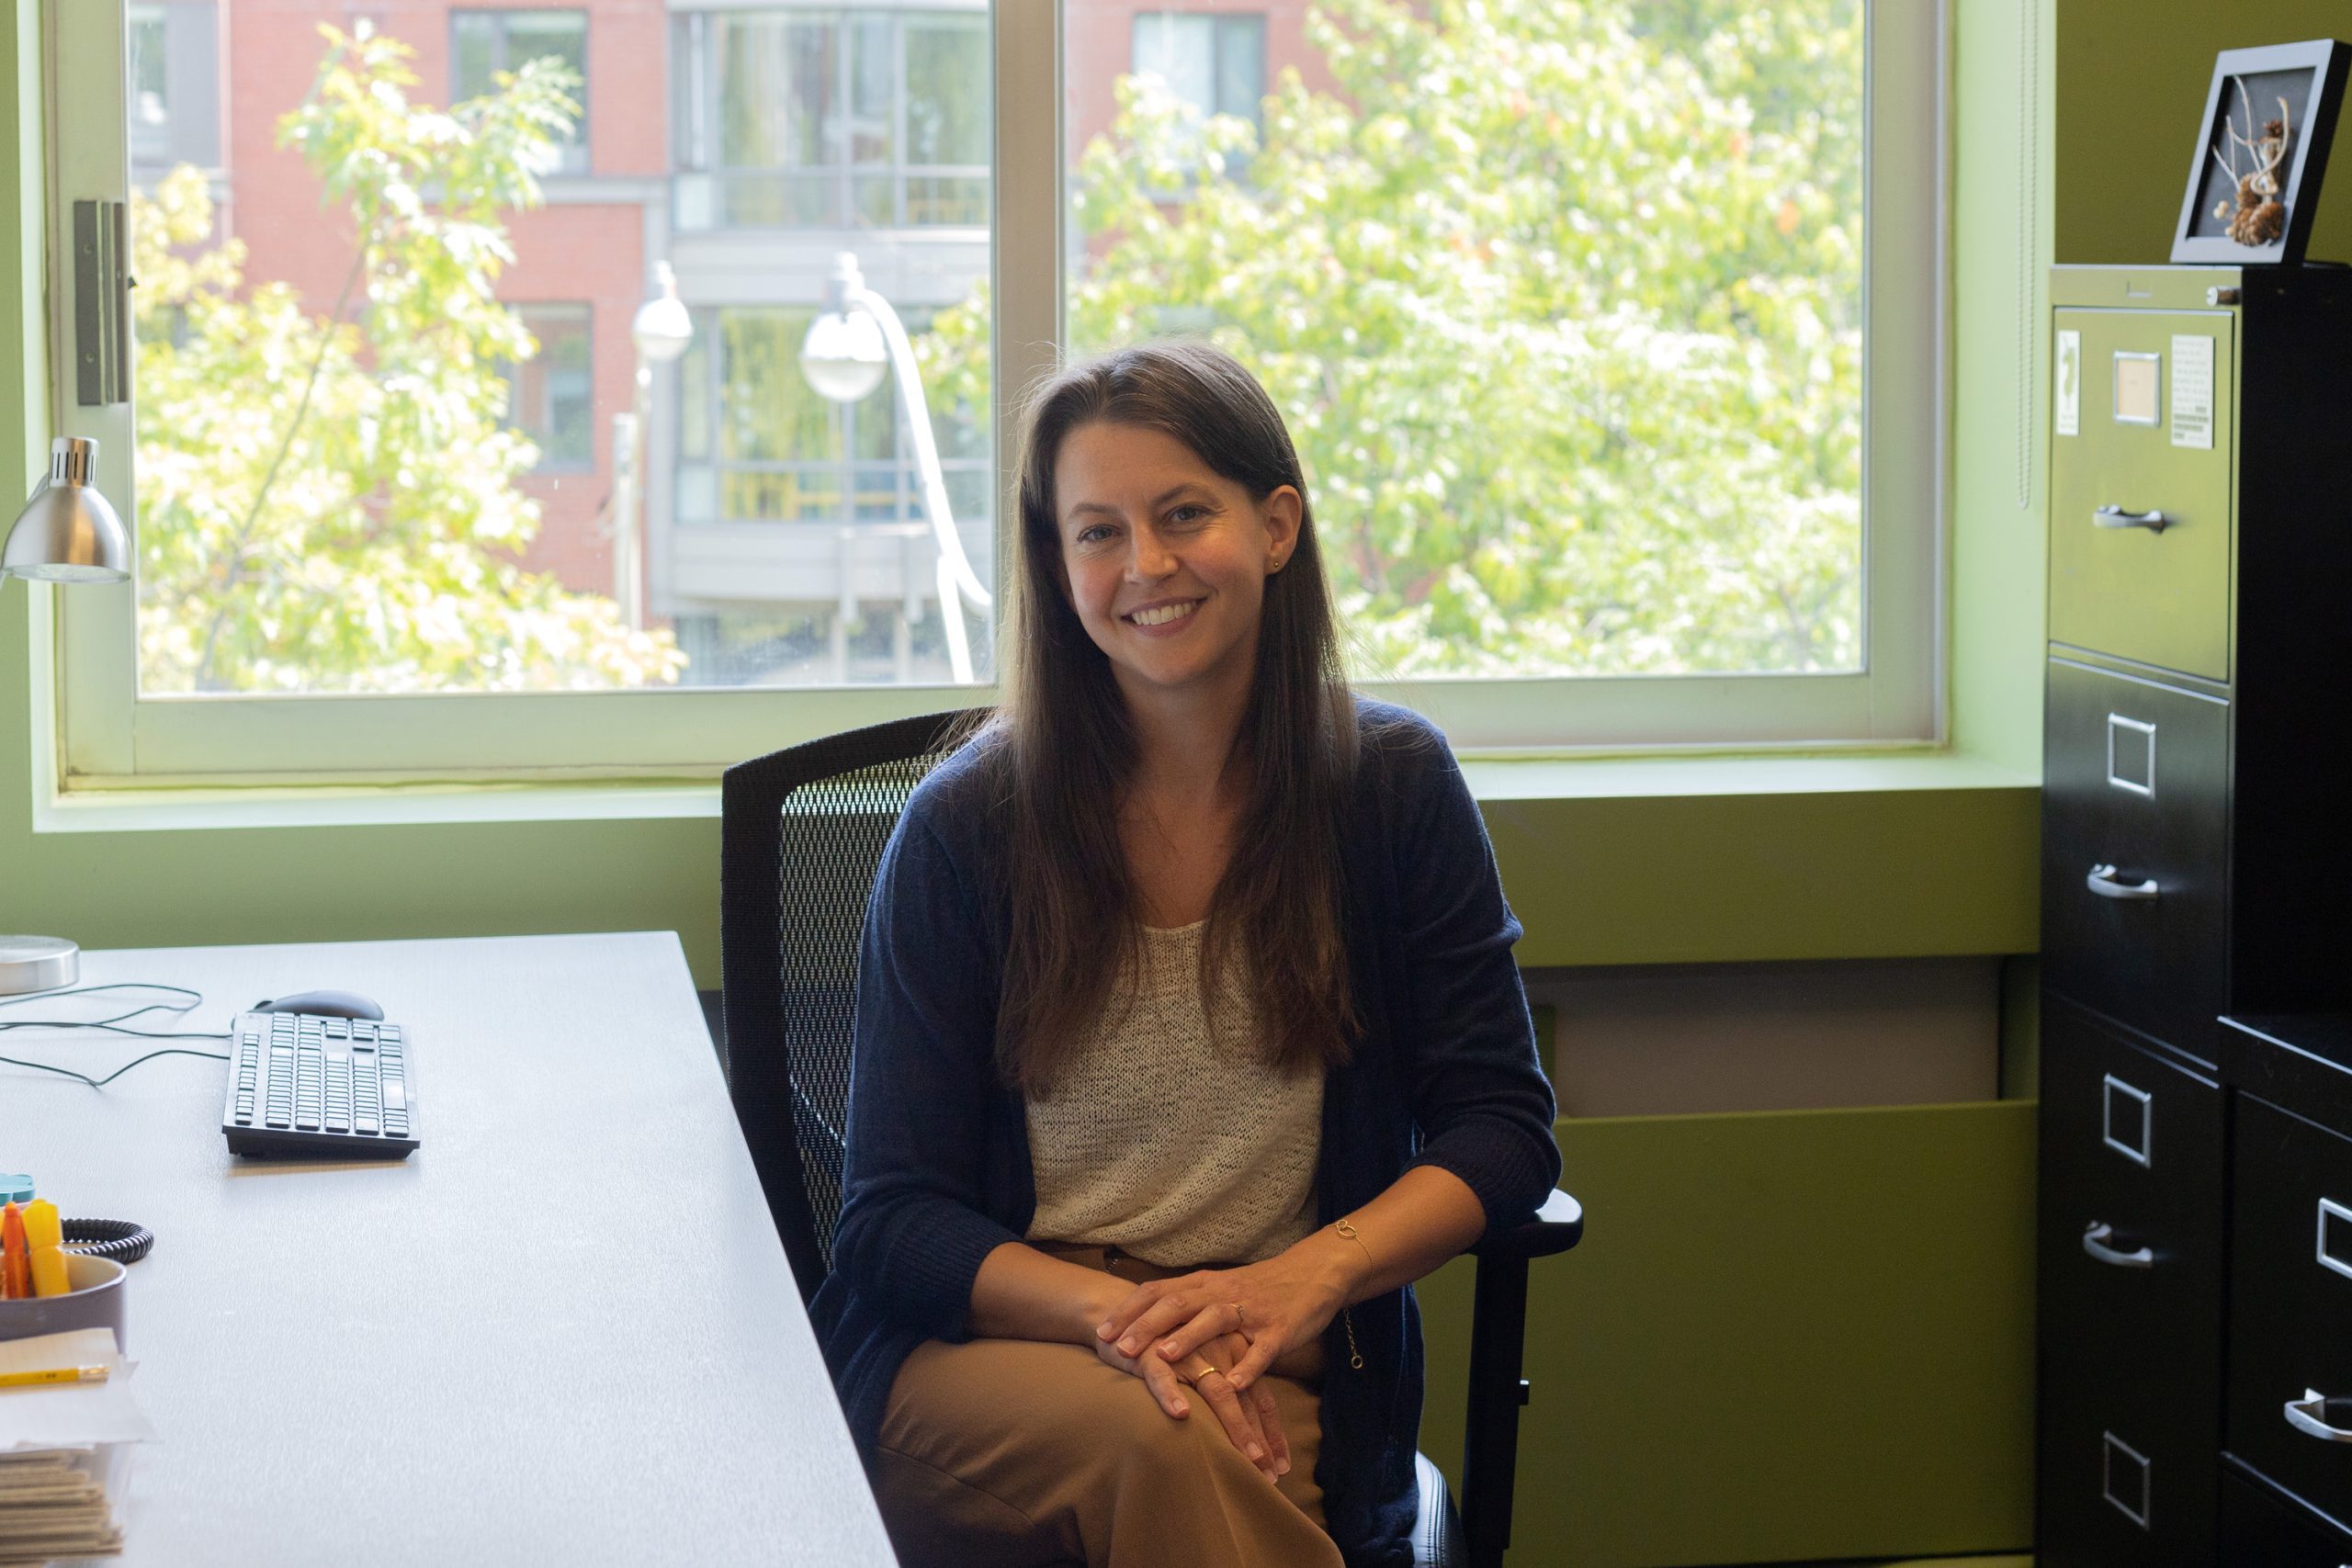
{"points": [[53, 1374]]}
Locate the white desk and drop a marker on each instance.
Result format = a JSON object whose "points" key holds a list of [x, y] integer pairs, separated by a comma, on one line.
{"points": [[563, 1332]]}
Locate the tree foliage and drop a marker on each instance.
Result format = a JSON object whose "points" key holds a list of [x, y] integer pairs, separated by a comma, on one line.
{"points": [[1562, 305], [329, 502]]}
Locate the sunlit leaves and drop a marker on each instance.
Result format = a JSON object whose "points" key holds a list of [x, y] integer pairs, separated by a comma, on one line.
{"points": [[1562, 303]]}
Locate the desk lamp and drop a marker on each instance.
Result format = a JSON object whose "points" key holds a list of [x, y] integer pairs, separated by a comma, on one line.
{"points": [[67, 533]]}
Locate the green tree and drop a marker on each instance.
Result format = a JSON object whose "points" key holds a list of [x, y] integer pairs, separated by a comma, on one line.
{"points": [[329, 502], [1562, 305]]}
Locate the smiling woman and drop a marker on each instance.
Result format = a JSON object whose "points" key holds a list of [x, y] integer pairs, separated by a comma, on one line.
{"points": [[1168, 580], [1156, 1112]]}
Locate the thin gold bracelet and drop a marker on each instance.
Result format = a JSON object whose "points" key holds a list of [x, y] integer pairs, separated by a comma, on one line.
{"points": [[1355, 1356]]}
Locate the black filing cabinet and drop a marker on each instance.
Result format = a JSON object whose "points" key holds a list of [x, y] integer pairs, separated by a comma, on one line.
{"points": [[2195, 1347]]}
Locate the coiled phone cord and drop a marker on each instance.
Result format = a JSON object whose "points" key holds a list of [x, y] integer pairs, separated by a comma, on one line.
{"points": [[118, 1239]]}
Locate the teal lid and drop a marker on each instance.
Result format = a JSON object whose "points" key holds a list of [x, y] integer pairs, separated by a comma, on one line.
{"points": [[15, 1189]]}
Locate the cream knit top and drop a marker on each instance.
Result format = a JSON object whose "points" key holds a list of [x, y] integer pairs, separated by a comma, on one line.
{"points": [[1158, 1142]]}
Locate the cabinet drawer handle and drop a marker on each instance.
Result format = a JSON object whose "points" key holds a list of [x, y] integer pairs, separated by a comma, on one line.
{"points": [[2094, 1239], [2304, 1415], [2102, 881], [2115, 517]]}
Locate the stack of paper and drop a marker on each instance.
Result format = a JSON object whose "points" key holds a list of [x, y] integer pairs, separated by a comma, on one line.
{"points": [[63, 1453]]}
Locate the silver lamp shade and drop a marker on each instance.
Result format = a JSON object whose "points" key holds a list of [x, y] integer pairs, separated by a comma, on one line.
{"points": [[68, 532]]}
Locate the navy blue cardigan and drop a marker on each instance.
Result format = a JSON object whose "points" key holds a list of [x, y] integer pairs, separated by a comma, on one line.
{"points": [[1444, 1074]]}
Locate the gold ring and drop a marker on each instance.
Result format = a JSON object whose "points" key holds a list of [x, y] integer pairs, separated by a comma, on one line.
{"points": [[1202, 1373]]}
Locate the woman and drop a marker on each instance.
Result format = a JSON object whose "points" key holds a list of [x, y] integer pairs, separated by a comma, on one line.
{"points": [[1188, 1035]]}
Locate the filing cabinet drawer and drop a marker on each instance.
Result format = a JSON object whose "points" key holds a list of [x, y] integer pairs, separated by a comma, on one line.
{"points": [[2288, 1413], [2156, 595], [2129, 1243], [2136, 782], [2257, 1527]]}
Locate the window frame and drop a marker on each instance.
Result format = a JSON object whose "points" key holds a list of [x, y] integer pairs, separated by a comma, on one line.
{"points": [[1221, 24], [574, 158], [852, 471], [110, 737], [693, 154], [579, 312]]}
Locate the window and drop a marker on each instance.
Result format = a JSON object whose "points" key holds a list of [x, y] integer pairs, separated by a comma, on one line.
{"points": [[175, 88], [1567, 307], [830, 119], [1634, 449], [758, 445], [484, 43], [552, 393], [1214, 62], [832, 495]]}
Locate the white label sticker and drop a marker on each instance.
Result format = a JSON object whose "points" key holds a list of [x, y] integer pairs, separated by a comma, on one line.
{"points": [[2192, 392], [2069, 370]]}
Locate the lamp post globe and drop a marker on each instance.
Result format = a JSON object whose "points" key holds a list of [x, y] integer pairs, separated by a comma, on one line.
{"points": [[663, 327], [843, 356]]}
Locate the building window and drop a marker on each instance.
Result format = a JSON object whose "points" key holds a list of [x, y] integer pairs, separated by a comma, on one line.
{"points": [[832, 118], [483, 43], [175, 88], [552, 394], [1217, 63], [757, 444]]}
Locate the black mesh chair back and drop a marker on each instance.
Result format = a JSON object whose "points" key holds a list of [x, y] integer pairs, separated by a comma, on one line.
{"points": [[801, 832]]}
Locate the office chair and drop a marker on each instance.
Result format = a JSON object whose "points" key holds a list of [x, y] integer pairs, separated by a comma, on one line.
{"points": [[801, 832]]}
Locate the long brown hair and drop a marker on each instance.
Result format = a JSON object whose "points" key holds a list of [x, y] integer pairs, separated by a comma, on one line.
{"points": [[1067, 750]]}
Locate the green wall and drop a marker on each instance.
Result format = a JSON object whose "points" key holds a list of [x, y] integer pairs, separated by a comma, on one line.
{"points": [[1794, 1336], [2134, 74]]}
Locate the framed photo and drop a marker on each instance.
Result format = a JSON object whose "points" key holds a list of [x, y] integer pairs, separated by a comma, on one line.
{"points": [[2261, 151]]}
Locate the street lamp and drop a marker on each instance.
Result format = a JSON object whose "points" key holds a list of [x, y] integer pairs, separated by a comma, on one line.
{"points": [[847, 352], [660, 333]]}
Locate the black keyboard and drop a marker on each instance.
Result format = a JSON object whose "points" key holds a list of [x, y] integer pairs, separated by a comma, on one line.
{"points": [[319, 1088]]}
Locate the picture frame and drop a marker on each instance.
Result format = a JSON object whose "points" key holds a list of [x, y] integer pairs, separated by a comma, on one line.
{"points": [[2261, 153]]}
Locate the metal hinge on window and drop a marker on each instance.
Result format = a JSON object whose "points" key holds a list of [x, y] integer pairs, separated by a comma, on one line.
{"points": [[101, 303]]}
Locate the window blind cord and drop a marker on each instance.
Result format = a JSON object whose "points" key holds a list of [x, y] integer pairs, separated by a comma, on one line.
{"points": [[113, 1026]]}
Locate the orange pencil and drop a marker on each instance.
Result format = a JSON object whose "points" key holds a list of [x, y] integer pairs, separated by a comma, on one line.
{"points": [[16, 1258]]}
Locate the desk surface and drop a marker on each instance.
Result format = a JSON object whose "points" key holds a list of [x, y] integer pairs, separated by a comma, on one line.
{"points": [[561, 1332]]}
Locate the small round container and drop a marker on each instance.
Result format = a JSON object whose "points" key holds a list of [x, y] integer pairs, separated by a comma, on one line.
{"points": [[96, 1300]]}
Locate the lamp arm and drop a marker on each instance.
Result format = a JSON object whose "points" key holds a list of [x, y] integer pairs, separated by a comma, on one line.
{"points": [[935, 480]]}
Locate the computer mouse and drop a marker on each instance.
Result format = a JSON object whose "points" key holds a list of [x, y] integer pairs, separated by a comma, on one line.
{"points": [[325, 1004]]}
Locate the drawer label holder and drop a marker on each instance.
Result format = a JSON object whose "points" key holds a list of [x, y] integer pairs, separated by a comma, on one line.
{"points": [[2131, 1134], [2329, 1209], [2136, 751], [2124, 1483]]}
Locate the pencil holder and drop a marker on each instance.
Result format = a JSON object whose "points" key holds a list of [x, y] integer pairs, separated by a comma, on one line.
{"points": [[96, 1300]]}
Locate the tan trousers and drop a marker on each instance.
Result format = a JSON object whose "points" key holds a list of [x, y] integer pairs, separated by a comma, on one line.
{"points": [[1013, 1453]]}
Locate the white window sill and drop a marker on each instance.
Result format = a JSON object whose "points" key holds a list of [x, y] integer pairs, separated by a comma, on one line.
{"points": [[1494, 781]]}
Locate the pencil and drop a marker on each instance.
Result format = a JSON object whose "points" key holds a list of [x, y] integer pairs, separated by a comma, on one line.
{"points": [[53, 1375]]}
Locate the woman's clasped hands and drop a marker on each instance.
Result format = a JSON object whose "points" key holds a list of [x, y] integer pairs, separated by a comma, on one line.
{"points": [[1220, 1330]]}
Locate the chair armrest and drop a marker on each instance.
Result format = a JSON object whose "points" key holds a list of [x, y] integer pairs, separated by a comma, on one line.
{"points": [[1555, 1227]]}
